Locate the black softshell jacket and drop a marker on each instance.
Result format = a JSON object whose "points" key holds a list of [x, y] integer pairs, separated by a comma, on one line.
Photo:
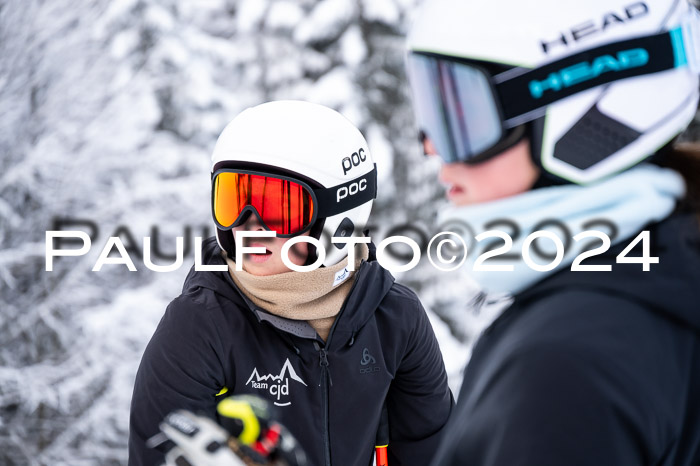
{"points": [[329, 395], [591, 368]]}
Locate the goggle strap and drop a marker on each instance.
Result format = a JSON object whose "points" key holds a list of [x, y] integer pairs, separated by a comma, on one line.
{"points": [[554, 81], [346, 196]]}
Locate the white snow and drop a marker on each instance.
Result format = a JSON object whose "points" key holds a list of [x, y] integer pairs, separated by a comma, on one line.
{"points": [[124, 43], [352, 47], [160, 18], [324, 21], [382, 154], [333, 89], [284, 15], [250, 14], [386, 11], [454, 353]]}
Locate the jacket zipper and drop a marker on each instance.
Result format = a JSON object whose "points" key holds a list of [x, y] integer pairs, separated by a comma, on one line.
{"points": [[325, 376], [326, 379]]}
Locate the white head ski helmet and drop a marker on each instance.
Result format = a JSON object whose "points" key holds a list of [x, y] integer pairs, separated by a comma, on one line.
{"points": [[603, 83], [311, 143]]}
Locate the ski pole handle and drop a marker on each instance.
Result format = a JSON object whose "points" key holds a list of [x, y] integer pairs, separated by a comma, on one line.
{"points": [[382, 456], [382, 440]]}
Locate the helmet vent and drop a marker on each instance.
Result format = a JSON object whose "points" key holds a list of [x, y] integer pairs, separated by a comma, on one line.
{"points": [[592, 139]]}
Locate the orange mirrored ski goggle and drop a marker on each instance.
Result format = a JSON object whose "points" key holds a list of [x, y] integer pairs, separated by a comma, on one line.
{"points": [[285, 205]]}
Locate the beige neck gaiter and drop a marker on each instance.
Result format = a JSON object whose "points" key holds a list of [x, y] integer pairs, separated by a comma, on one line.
{"points": [[315, 296]]}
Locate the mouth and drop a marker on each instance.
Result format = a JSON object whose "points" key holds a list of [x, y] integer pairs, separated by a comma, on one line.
{"points": [[454, 191], [258, 257]]}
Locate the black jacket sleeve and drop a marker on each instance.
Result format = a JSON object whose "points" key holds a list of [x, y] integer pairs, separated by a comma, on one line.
{"points": [[180, 369], [419, 401], [547, 406]]}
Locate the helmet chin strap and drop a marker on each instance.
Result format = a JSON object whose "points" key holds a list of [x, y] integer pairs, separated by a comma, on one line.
{"points": [[545, 180], [315, 232], [534, 134], [227, 242]]}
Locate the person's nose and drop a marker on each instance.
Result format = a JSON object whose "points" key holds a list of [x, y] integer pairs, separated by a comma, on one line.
{"points": [[428, 147], [253, 223], [447, 170]]}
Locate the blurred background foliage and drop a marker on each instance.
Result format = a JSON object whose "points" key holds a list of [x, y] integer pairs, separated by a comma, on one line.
{"points": [[110, 110]]}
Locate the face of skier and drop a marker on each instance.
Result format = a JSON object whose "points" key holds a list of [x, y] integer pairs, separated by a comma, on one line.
{"points": [[269, 263], [507, 174]]}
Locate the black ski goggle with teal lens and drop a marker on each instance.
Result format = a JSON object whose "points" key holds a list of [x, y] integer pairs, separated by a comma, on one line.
{"points": [[466, 113]]}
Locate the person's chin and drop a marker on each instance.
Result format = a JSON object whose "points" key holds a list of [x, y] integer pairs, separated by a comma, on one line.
{"points": [[259, 270], [259, 264]]}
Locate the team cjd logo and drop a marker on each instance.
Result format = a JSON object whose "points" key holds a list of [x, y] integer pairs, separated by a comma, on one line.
{"points": [[276, 385]]}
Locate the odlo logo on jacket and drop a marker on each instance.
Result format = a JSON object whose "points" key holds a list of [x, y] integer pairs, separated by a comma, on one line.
{"points": [[276, 385], [368, 363]]}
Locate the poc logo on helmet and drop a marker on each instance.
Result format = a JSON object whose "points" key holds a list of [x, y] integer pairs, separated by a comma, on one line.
{"points": [[354, 160], [352, 189]]}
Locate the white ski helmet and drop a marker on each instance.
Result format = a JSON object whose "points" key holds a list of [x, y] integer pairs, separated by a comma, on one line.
{"points": [[312, 144], [602, 83]]}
